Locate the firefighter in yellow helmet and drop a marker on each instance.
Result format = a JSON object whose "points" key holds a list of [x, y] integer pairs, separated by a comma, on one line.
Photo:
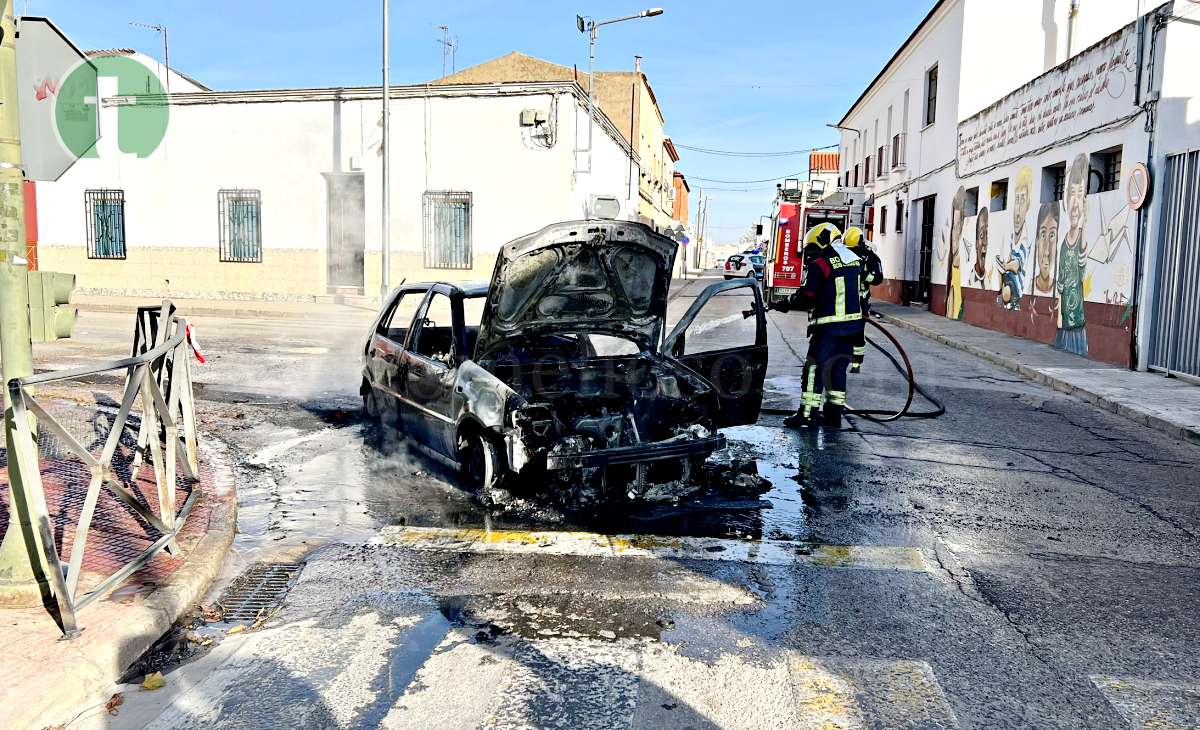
{"points": [[872, 274], [830, 291]]}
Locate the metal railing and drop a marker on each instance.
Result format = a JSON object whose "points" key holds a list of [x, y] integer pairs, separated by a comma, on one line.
{"points": [[158, 373]]}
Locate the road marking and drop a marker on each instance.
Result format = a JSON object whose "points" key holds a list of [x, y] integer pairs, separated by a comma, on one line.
{"points": [[275, 450], [869, 693], [1147, 704], [589, 544], [590, 683]]}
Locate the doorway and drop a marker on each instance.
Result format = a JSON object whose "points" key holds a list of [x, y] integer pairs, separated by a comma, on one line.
{"points": [[922, 290], [347, 236]]}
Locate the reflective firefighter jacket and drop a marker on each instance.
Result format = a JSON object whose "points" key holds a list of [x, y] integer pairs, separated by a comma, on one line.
{"points": [[831, 290], [872, 272]]}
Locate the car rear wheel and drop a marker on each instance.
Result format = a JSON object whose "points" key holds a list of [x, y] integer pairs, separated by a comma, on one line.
{"points": [[479, 460], [370, 403]]}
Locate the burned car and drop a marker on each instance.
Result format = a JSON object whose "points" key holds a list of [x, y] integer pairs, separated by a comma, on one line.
{"points": [[568, 375]]}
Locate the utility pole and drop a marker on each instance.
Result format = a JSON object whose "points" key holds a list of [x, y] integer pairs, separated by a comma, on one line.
{"points": [[385, 280], [20, 549]]}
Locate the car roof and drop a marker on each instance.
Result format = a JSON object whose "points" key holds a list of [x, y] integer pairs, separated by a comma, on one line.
{"points": [[469, 290]]}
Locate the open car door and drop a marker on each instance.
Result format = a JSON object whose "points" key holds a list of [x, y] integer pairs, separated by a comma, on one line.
{"points": [[716, 341]]}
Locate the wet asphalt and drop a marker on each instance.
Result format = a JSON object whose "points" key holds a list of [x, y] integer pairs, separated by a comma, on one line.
{"points": [[1025, 560]]}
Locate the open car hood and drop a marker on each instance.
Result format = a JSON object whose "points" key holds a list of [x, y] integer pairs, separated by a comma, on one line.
{"points": [[599, 276]]}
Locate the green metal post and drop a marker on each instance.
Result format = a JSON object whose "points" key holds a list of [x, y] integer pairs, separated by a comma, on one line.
{"points": [[20, 551]]}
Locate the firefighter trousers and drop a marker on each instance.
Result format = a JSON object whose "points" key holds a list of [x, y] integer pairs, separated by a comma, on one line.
{"points": [[860, 341], [829, 356], [860, 351]]}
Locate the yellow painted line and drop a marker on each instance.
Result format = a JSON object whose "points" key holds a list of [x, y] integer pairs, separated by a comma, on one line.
{"points": [[591, 544], [1149, 704], [844, 693]]}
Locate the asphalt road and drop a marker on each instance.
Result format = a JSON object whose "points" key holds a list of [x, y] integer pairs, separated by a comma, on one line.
{"points": [[1025, 560]]}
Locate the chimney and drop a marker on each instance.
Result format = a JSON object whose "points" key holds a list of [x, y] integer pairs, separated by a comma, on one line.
{"points": [[637, 63]]}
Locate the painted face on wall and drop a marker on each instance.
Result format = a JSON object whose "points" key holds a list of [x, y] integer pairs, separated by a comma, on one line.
{"points": [[981, 243], [1076, 191], [956, 223], [1076, 201], [1047, 240], [1020, 205]]}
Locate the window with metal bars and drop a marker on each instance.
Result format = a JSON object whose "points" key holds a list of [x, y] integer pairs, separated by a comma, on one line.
{"points": [[883, 219], [104, 211], [1106, 165], [899, 216], [239, 218], [1054, 182], [447, 229]]}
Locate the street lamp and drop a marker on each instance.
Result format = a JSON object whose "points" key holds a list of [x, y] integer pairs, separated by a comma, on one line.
{"points": [[590, 26]]}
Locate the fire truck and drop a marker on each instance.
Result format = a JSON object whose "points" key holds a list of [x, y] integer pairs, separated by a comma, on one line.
{"points": [[798, 206]]}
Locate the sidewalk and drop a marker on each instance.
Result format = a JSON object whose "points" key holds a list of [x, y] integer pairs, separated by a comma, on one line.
{"points": [[331, 308], [325, 308], [1166, 404], [46, 678]]}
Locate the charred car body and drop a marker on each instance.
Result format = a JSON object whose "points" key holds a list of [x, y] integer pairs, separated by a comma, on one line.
{"points": [[568, 373]]}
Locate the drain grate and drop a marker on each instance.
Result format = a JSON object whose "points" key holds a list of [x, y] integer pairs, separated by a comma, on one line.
{"points": [[257, 591]]}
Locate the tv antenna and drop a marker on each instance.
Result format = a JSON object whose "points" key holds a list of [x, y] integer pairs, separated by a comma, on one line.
{"points": [[449, 47]]}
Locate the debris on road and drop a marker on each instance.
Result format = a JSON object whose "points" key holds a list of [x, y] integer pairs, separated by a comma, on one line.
{"points": [[154, 680]]}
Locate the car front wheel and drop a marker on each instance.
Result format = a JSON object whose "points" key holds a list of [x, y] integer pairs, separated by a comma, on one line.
{"points": [[479, 460]]}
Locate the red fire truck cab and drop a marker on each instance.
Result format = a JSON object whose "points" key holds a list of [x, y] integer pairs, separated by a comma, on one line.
{"points": [[792, 219]]}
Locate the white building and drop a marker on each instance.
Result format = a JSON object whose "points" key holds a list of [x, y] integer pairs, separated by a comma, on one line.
{"points": [[966, 140], [276, 193]]}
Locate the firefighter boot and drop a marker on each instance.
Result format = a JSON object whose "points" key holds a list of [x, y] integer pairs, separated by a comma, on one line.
{"points": [[831, 416], [799, 420]]}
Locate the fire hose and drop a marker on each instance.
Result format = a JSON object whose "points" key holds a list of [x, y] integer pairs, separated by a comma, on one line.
{"points": [[906, 369]]}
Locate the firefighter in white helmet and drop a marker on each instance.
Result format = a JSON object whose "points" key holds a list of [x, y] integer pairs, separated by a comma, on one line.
{"points": [[872, 274]]}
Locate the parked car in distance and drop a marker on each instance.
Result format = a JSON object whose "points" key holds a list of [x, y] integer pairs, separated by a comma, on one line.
{"points": [[745, 265], [567, 372]]}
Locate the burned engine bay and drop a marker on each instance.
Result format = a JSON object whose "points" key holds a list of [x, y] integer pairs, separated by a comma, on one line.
{"points": [[636, 426]]}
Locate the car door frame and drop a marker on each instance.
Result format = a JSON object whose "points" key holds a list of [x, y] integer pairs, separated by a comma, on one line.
{"points": [[745, 365], [384, 357], [428, 391]]}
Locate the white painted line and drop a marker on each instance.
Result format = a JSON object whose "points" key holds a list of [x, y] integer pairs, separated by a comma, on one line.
{"points": [[1148, 704], [270, 453], [589, 544]]}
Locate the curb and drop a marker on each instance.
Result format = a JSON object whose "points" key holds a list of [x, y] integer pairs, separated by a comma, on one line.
{"points": [[91, 671], [1183, 433]]}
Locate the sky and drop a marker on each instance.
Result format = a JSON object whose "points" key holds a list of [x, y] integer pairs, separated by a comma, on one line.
{"points": [[749, 76]]}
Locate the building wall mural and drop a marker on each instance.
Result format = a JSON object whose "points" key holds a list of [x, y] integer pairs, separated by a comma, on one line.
{"points": [[1049, 256], [1050, 263]]}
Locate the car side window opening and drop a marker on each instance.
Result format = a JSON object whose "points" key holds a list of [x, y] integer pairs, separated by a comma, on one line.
{"points": [[472, 318], [719, 325], [434, 337], [394, 325]]}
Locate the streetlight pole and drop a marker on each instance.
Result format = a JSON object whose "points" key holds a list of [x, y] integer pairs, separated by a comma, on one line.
{"points": [[590, 26], [385, 280]]}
